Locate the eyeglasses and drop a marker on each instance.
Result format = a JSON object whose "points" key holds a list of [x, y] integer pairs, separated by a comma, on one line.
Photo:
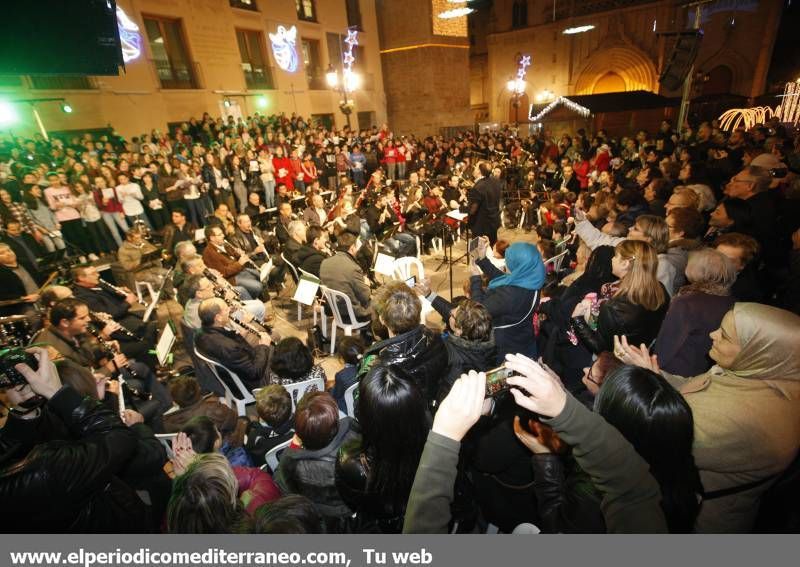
{"points": [[592, 380]]}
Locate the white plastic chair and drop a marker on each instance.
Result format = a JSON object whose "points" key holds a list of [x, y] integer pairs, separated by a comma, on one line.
{"points": [[332, 296], [241, 398], [350, 399], [296, 278], [556, 261], [403, 268], [272, 458], [299, 389]]}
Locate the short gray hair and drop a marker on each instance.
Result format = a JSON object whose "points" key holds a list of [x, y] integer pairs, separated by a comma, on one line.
{"points": [[761, 178], [709, 267], [296, 227]]}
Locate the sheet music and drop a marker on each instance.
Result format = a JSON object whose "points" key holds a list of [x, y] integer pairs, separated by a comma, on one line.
{"points": [[306, 290]]}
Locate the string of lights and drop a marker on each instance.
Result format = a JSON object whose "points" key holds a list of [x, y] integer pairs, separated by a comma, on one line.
{"points": [[563, 101]]}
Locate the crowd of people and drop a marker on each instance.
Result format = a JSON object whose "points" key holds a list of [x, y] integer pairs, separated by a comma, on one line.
{"points": [[626, 360]]}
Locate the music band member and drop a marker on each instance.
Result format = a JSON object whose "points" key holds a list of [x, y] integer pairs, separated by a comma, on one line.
{"points": [[138, 257], [215, 341], [231, 262], [484, 203], [17, 286], [179, 230], [68, 333], [89, 288]]}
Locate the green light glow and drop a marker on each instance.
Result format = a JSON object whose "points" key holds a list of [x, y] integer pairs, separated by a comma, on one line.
{"points": [[8, 114]]}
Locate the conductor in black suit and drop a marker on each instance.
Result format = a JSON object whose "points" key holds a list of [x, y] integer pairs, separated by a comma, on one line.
{"points": [[484, 203]]}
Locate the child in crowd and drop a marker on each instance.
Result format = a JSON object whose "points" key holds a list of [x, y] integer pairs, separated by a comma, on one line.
{"points": [[350, 350]]}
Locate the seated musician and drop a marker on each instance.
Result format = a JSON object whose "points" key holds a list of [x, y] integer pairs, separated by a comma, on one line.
{"points": [[222, 217], [250, 239], [297, 238], [456, 199], [23, 244], [217, 342], [310, 256], [315, 213], [254, 206], [285, 216], [68, 333], [435, 208], [198, 288], [96, 293], [179, 230], [341, 272], [231, 262], [222, 288], [18, 286], [141, 259], [382, 218]]}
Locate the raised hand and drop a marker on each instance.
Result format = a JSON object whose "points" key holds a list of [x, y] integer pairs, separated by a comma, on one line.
{"points": [[545, 393], [462, 407]]}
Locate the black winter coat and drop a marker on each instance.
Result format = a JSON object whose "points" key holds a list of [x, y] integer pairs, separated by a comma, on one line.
{"points": [[72, 486], [251, 364], [463, 356], [618, 316], [420, 353], [312, 473]]}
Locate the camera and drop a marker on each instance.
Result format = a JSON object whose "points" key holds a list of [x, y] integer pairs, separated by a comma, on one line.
{"points": [[10, 357]]}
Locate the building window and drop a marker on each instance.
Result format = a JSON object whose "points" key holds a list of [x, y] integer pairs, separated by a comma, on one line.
{"points": [[257, 74], [313, 65], [353, 14], [519, 14], [244, 4], [306, 10], [57, 83], [170, 55]]}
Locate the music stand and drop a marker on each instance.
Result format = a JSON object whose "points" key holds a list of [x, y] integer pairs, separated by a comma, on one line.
{"points": [[148, 312]]}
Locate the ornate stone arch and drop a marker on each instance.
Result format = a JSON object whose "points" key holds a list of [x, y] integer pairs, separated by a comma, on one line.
{"points": [[741, 69], [629, 62]]}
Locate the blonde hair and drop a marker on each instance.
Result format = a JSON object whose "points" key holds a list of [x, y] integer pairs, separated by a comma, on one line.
{"points": [[640, 285], [656, 229]]}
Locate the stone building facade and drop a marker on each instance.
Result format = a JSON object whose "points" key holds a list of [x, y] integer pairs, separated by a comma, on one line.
{"points": [[217, 56]]}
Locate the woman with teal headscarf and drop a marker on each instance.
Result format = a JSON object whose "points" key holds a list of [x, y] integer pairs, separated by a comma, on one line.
{"points": [[511, 298]]}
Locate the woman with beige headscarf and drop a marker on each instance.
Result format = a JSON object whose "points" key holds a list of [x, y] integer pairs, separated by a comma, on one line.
{"points": [[746, 410]]}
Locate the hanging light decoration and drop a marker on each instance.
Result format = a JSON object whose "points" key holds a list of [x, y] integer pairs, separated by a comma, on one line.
{"points": [[455, 13], [578, 29], [789, 109], [563, 101]]}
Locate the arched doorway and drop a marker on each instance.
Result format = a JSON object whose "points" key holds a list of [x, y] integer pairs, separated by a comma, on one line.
{"points": [[720, 81], [609, 83], [518, 112]]}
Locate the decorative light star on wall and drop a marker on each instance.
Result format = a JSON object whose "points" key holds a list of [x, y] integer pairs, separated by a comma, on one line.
{"points": [[350, 80], [129, 36], [284, 48]]}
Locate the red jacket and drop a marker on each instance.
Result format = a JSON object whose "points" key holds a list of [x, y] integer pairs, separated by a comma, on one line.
{"points": [[283, 163], [255, 487]]}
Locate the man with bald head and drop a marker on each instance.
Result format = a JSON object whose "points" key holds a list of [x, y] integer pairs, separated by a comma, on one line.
{"points": [[216, 341]]}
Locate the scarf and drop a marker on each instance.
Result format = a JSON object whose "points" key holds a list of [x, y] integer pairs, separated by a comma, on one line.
{"points": [[525, 267]]}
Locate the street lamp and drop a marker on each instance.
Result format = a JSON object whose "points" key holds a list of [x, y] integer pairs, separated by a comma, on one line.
{"points": [[516, 87], [349, 82]]}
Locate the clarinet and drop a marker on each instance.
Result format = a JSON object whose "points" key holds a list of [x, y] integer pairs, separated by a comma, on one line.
{"points": [[114, 289], [98, 318], [111, 351], [248, 327], [221, 282]]}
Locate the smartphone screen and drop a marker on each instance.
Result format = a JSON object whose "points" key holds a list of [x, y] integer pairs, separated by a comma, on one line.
{"points": [[473, 244], [496, 380], [412, 281]]}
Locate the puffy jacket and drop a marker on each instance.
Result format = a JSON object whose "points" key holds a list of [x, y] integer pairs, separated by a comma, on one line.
{"points": [[463, 356], [420, 353], [72, 486], [312, 473], [618, 316], [256, 487]]}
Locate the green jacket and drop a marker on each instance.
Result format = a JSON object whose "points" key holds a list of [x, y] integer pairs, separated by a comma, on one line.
{"points": [[631, 496]]}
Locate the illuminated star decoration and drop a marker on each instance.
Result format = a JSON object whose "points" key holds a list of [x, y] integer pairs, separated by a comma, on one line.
{"points": [[524, 63], [283, 48], [129, 36], [348, 59]]}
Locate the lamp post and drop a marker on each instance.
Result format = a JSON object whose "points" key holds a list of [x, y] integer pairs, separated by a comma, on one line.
{"points": [[516, 87], [345, 85]]}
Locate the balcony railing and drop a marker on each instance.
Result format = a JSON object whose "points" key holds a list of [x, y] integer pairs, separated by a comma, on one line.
{"points": [[61, 83], [244, 5], [257, 78], [185, 76]]}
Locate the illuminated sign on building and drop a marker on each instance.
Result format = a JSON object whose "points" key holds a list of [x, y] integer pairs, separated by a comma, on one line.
{"points": [[284, 48], [129, 36]]}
